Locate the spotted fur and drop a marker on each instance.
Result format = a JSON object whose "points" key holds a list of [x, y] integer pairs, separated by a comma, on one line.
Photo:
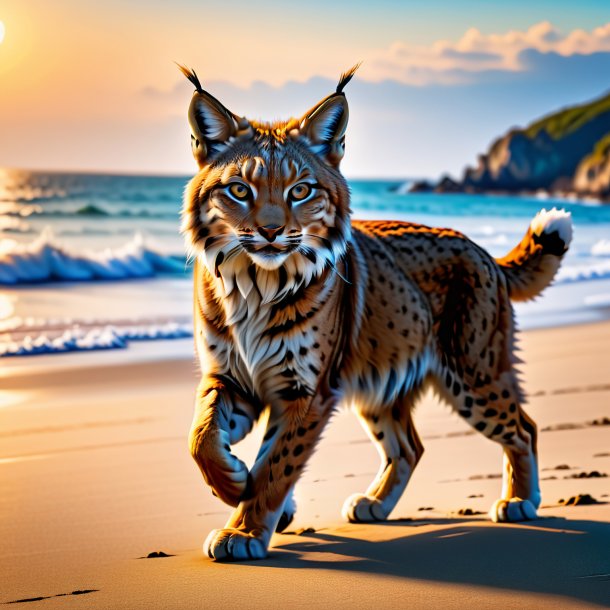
{"points": [[297, 309]]}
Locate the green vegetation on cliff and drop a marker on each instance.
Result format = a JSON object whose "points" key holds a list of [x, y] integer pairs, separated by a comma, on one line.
{"points": [[600, 150], [567, 121], [564, 152]]}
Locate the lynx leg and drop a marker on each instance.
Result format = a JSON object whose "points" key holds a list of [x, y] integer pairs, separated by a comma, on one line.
{"points": [[221, 419], [400, 448], [520, 476], [288, 512], [494, 409], [288, 443]]}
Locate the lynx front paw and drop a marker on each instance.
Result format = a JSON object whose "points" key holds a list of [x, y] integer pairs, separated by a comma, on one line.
{"points": [[515, 509], [233, 545], [361, 509], [224, 472]]}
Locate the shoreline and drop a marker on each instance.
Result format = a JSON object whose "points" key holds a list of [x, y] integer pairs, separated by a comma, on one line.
{"points": [[150, 339], [119, 316], [453, 187]]}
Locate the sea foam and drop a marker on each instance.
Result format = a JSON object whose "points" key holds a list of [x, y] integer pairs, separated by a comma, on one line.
{"points": [[583, 272], [601, 248]]}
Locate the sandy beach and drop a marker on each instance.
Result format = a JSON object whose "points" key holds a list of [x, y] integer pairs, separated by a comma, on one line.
{"points": [[95, 475]]}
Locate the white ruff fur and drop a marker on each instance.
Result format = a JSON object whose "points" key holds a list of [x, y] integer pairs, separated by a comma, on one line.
{"points": [[256, 357]]}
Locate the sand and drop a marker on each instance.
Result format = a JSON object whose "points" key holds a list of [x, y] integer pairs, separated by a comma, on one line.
{"points": [[95, 475]]}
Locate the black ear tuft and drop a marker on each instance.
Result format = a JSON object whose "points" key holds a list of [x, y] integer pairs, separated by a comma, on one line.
{"points": [[191, 75], [346, 77], [212, 125]]}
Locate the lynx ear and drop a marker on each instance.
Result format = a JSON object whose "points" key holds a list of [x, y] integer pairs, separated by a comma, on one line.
{"points": [[211, 123], [326, 123]]}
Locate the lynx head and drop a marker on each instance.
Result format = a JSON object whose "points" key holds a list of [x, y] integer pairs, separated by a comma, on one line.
{"points": [[267, 194]]}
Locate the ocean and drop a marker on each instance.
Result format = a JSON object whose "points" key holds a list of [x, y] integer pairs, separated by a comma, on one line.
{"points": [[90, 262]]}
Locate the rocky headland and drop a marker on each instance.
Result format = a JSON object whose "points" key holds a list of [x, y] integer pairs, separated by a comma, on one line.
{"points": [[566, 153]]}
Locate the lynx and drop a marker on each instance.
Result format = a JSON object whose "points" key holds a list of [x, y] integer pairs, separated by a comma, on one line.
{"points": [[298, 309]]}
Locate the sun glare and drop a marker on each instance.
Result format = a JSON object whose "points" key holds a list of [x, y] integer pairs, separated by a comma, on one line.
{"points": [[1, 32]]}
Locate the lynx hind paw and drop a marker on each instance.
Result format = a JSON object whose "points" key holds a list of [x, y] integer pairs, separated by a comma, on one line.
{"points": [[513, 510], [233, 545], [287, 515], [360, 508]]}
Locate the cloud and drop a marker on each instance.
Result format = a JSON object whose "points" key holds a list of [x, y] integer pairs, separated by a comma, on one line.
{"points": [[399, 129], [481, 56], [447, 62]]}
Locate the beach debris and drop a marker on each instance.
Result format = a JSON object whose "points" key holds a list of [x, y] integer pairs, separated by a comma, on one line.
{"points": [[476, 496], [598, 421], [596, 387], [459, 433], [426, 508], [594, 474], [467, 512], [602, 421], [40, 598], [578, 500], [301, 532], [560, 467], [478, 477], [562, 427], [156, 554]]}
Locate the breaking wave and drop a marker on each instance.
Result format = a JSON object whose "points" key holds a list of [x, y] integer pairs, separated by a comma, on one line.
{"points": [[93, 339], [45, 260]]}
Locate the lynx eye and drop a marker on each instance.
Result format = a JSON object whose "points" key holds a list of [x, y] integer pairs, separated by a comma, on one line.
{"points": [[239, 190], [299, 192]]}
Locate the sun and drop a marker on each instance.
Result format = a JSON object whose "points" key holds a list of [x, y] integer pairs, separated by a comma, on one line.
{"points": [[1, 32]]}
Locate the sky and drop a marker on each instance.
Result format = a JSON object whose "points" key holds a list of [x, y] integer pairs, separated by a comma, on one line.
{"points": [[92, 86]]}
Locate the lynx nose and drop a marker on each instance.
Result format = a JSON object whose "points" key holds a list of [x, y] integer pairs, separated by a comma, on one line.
{"points": [[270, 232]]}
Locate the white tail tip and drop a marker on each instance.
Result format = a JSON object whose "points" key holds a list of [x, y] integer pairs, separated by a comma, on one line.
{"points": [[551, 221]]}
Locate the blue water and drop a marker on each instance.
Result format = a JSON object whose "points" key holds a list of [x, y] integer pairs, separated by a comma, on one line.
{"points": [[378, 196], [62, 233], [103, 211], [93, 196]]}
